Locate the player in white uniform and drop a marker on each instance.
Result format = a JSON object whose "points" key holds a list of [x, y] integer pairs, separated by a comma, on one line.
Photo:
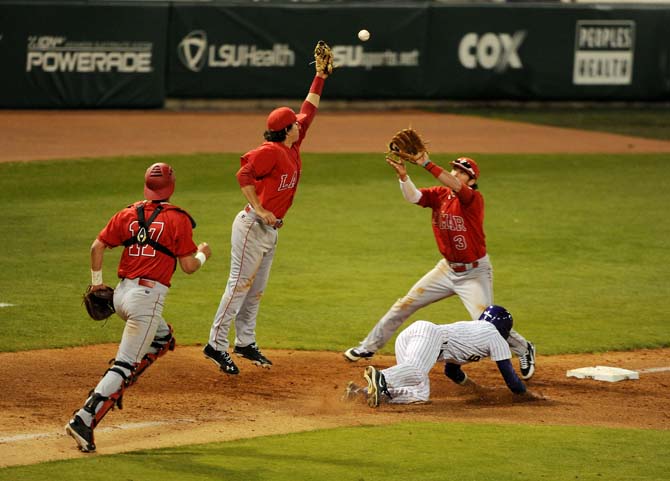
{"points": [[423, 343]]}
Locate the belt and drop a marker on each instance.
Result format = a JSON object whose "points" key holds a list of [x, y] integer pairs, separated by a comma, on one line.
{"points": [[459, 267], [278, 222], [146, 283]]}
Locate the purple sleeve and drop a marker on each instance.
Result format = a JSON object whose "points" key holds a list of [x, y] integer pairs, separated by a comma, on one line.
{"points": [[511, 379]]}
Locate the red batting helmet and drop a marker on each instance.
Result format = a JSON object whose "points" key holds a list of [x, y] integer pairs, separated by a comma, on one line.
{"points": [[159, 182], [282, 117], [468, 165]]}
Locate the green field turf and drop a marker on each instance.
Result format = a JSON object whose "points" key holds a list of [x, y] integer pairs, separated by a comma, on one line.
{"points": [[579, 246], [400, 452]]}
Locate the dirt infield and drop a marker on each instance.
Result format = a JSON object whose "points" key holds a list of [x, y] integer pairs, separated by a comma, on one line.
{"points": [[199, 404], [35, 135]]}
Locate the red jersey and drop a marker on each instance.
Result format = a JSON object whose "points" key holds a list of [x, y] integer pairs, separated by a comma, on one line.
{"points": [[274, 169], [172, 228], [458, 222]]}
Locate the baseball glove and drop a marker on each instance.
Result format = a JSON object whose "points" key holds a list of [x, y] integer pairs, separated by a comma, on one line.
{"points": [[323, 58], [407, 145], [99, 304]]}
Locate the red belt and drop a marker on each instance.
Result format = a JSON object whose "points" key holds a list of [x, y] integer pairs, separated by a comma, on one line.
{"points": [[463, 267], [146, 283]]}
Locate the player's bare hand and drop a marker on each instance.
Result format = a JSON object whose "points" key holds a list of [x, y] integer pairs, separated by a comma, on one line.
{"points": [[205, 249], [530, 396], [267, 216], [399, 167], [98, 287]]}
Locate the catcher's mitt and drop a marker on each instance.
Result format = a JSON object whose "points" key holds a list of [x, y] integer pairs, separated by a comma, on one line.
{"points": [[323, 58], [99, 304], [407, 145]]}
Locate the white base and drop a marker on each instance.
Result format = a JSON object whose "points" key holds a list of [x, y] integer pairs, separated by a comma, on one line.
{"points": [[603, 373]]}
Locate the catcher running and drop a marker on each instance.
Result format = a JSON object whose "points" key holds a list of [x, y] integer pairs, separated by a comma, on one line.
{"points": [[458, 226], [156, 235]]}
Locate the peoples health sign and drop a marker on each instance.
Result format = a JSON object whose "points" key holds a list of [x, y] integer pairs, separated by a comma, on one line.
{"points": [[604, 51]]}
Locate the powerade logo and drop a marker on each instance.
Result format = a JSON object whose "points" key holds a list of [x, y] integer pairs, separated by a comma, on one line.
{"points": [[195, 53], [58, 54], [604, 52], [491, 51]]}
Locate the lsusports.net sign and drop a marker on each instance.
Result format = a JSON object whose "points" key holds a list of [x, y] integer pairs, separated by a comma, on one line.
{"points": [[604, 52]]}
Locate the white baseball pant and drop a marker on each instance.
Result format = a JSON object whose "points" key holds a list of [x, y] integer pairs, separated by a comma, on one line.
{"points": [[253, 247], [416, 350]]}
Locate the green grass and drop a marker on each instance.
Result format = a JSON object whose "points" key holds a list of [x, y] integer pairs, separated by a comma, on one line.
{"points": [[651, 122], [579, 246], [417, 451]]}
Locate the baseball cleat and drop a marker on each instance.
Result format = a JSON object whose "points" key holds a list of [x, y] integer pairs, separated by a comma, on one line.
{"points": [[353, 354], [376, 386], [254, 354], [221, 359], [527, 362], [82, 434]]}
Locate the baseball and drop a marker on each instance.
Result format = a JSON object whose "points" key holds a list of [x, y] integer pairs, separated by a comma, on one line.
{"points": [[364, 35]]}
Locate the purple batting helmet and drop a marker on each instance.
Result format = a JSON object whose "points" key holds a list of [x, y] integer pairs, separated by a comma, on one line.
{"points": [[499, 317]]}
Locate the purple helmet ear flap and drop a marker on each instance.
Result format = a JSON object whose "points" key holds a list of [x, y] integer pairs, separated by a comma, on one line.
{"points": [[500, 318]]}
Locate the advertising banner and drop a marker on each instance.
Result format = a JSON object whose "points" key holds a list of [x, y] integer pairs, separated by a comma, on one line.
{"points": [[421, 51], [263, 51], [548, 53], [82, 55], [75, 54]]}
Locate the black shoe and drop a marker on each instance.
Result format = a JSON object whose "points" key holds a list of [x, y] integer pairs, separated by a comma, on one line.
{"points": [[376, 386], [527, 362], [254, 354], [354, 354], [81, 433], [221, 359]]}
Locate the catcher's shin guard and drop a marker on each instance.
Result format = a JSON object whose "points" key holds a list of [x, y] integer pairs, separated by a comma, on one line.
{"points": [[162, 345], [98, 405]]}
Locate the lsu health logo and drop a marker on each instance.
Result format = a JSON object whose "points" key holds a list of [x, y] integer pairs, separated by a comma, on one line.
{"points": [[604, 52], [491, 51], [195, 53], [191, 50]]}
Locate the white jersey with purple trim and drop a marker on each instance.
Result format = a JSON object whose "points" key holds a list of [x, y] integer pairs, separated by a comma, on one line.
{"points": [[423, 343], [471, 341]]}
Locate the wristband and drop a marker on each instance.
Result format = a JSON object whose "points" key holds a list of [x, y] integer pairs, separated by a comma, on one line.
{"points": [[426, 162], [436, 170], [317, 86], [96, 277], [201, 257]]}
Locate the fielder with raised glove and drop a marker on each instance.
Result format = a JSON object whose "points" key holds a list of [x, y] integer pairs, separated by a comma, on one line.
{"points": [[99, 302], [406, 145]]}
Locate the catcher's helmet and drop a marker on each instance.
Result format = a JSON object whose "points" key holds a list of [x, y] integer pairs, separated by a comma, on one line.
{"points": [[159, 182], [499, 317]]}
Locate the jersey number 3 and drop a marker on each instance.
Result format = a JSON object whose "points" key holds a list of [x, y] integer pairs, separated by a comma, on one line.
{"points": [[155, 231]]}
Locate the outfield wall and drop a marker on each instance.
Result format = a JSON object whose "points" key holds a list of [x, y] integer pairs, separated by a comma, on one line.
{"points": [[84, 54]]}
